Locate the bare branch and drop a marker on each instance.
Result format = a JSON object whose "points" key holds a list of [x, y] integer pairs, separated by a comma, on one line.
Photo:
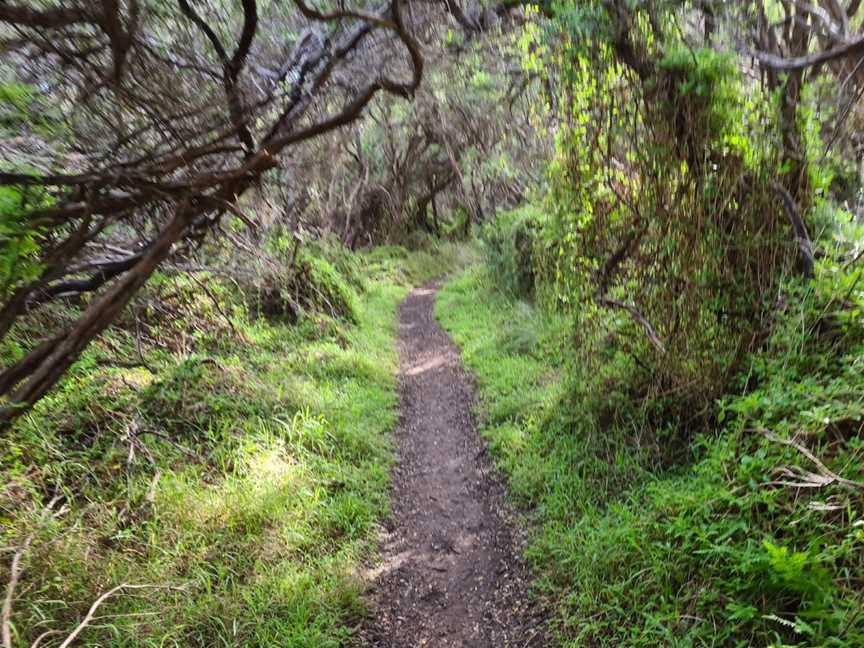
{"points": [[88, 618], [14, 575], [640, 319], [852, 48], [805, 247], [315, 14], [49, 18], [823, 469]]}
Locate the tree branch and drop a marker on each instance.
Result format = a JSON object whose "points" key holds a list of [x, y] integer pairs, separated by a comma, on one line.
{"points": [[805, 246], [852, 48], [49, 18], [640, 319]]}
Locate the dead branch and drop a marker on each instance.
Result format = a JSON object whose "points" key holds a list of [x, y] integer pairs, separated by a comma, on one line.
{"points": [[824, 471], [14, 575], [58, 17], [43, 636], [640, 319], [852, 48]]}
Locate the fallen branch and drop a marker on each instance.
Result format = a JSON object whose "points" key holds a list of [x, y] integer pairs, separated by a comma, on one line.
{"points": [[851, 48], [824, 471], [44, 635], [14, 574], [800, 478]]}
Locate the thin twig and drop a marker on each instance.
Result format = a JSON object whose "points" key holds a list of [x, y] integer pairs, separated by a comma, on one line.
{"points": [[98, 602], [14, 574], [44, 635], [216, 303], [823, 469]]}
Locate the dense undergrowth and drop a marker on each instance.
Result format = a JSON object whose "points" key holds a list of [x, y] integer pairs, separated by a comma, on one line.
{"points": [[668, 334], [752, 536], [222, 453]]}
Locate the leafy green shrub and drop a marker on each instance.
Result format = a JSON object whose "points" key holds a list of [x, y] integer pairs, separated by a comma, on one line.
{"points": [[750, 542], [308, 284], [328, 289], [508, 243], [19, 242], [20, 108]]}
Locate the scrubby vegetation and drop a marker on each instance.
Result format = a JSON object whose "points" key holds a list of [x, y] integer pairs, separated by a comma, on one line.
{"points": [[208, 212], [747, 540], [669, 379]]}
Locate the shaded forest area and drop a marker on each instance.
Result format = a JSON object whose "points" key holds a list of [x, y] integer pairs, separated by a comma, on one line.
{"points": [[210, 210]]}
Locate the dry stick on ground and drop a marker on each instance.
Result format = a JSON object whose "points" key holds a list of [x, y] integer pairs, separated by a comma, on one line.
{"points": [[98, 602], [823, 469], [14, 574], [43, 636]]}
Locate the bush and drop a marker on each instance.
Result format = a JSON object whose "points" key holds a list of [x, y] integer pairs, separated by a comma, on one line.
{"points": [[508, 242], [748, 543]]}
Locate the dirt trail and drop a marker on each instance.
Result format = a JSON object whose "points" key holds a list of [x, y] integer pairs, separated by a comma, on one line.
{"points": [[451, 574]]}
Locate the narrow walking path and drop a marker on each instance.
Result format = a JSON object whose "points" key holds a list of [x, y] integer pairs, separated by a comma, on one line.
{"points": [[450, 575]]}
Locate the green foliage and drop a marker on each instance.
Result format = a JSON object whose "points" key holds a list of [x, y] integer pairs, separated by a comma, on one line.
{"points": [[707, 93], [508, 245], [330, 291], [723, 551], [22, 110], [663, 231], [237, 458], [19, 241], [397, 264]]}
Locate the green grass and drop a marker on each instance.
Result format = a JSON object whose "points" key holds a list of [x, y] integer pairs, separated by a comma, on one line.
{"points": [[239, 468], [708, 552]]}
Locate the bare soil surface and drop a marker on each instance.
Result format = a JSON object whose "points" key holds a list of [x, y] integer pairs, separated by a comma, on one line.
{"points": [[451, 574]]}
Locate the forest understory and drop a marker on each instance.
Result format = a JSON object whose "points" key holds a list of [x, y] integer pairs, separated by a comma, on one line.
{"points": [[459, 323]]}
